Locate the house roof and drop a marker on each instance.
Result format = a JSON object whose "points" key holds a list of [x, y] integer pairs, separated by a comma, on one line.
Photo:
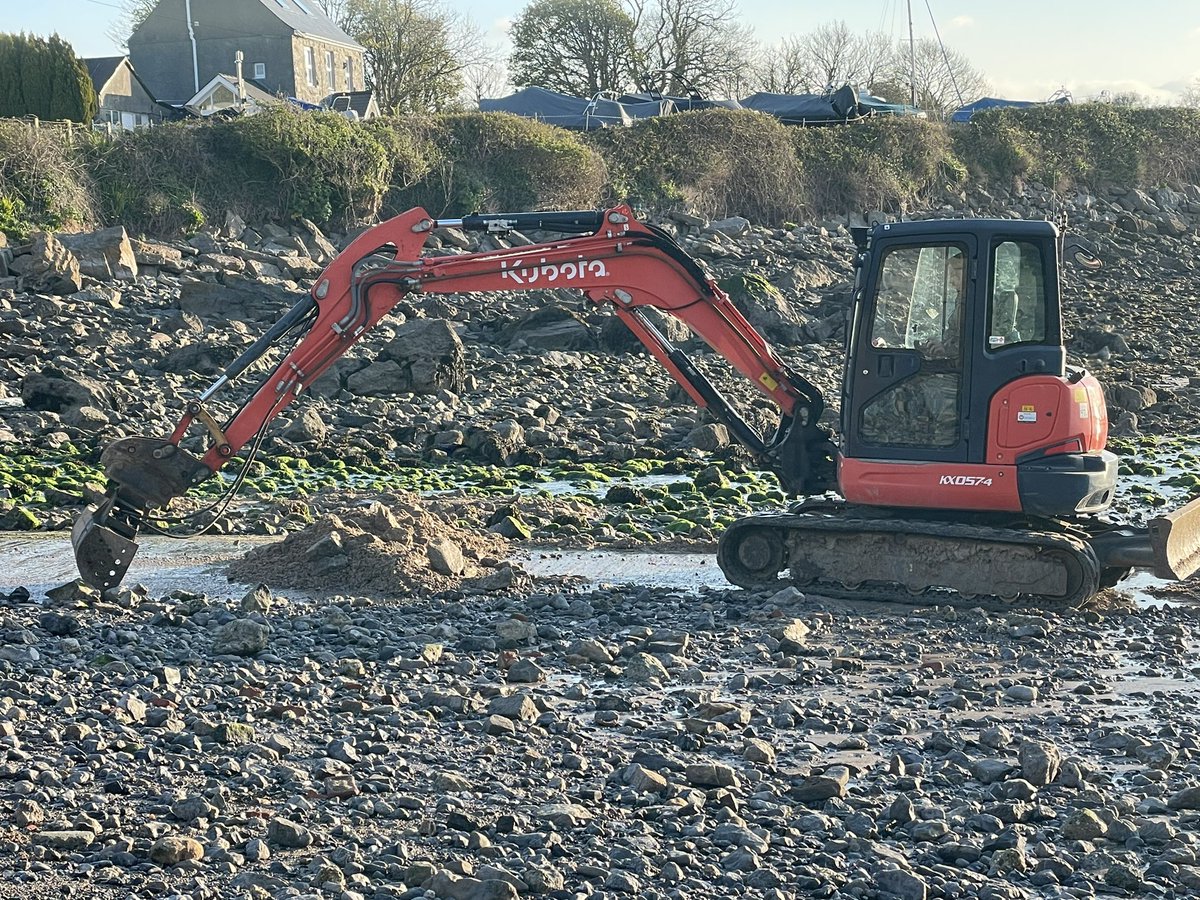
{"points": [[306, 17], [254, 92], [102, 68]]}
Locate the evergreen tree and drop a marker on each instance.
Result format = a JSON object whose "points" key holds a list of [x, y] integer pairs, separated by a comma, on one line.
{"points": [[44, 78]]}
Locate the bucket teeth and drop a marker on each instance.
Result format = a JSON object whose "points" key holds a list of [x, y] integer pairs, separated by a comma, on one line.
{"points": [[101, 554]]}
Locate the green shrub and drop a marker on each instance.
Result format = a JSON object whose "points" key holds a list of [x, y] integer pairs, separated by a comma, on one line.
{"points": [[1089, 145], [44, 182], [495, 162], [888, 163], [719, 162]]}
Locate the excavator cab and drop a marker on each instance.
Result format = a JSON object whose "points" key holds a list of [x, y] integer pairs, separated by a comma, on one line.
{"points": [[957, 393]]}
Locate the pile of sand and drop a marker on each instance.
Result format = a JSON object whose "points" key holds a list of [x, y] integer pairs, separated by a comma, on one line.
{"points": [[396, 545]]}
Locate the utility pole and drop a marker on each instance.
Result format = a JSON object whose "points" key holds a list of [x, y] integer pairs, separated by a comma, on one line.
{"points": [[912, 60]]}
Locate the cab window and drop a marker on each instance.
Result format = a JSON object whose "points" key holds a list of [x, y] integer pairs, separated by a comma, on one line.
{"points": [[1017, 313], [919, 303]]}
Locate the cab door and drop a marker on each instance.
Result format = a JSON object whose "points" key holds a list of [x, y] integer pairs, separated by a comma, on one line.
{"points": [[909, 366]]}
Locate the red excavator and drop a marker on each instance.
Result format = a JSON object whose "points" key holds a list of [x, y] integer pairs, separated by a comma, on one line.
{"points": [[970, 461]]}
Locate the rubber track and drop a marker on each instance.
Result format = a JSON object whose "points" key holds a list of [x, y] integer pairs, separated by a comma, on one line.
{"points": [[847, 520]]}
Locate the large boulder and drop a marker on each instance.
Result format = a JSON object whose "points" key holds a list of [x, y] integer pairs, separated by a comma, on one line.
{"points": [[551, 327], [235, 299], [48, 267], [52, 390], [425, 356], [104, 254], [615, 337]]}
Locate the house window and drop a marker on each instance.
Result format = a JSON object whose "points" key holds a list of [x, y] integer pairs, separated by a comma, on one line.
{"points": [[329, 76], [349, 73], [260, 71], [310, 65], [304, 9]]}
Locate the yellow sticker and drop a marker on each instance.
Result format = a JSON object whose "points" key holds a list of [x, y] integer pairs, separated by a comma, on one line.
{"points": [[767, 381], [1028, 407], [1080, 395]]}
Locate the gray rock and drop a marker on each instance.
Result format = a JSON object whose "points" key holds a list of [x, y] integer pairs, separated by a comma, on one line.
{"points": [[1084, 825], [241, 637], [104, 254], [901, 884], [65, 840], [1188, 798], [826, 786], [517, 707], [446, 557], [175, 849], [425, 356], [525, 671], [645, 668], [48, 267], [711, 774], [286, 833], [1040, 762]]}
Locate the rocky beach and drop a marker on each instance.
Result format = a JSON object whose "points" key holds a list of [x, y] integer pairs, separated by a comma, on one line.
{"points": [[375, 698]]}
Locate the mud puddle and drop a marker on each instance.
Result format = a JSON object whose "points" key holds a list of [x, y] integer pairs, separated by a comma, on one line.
{"points": [[685, 571], [41, 562]]}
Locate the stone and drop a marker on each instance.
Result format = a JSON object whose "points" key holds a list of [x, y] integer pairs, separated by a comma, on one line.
{"points": [[1187, 798], [48, 267], [525, 671], [1040, 762], [828, 785], [643, 780], [174, 849], [425, 356], [645, 668], [65, 840], [711, 774], [1022, 693], [446, 557], [564, 815], [105, 254], [286, 833], [550, 327], [710, 437], [792, 637], [241, 637], [734, 226], [236, 734], [1084, 825], [517, 707], [53, 390], [901, 884]]}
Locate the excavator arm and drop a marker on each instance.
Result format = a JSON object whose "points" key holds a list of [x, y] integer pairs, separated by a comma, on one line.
{"points": [[609, 256]]}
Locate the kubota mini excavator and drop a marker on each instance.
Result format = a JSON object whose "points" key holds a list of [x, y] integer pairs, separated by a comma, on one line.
{"points": [[970, 461]]}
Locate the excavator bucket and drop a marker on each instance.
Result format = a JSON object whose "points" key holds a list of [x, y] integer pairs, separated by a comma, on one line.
{"points": [[1175, 538], [101, 555], [143, 473]]}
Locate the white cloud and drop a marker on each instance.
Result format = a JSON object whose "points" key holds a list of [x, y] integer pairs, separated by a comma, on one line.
{"points": [[1083, 90], [962, 22]]}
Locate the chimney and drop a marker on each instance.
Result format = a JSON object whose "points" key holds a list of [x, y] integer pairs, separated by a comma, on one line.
{"points": [[238, 59]]}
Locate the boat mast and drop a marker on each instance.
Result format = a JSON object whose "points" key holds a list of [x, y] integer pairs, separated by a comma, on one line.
{"points": [[912, 60]]}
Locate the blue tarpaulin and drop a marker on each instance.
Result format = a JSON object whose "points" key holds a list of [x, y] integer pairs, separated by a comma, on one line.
{"points": [[964, 114]]}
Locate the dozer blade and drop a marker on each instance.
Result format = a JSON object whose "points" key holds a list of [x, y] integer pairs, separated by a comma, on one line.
{"points": [[102, 555], [1175, 538]]}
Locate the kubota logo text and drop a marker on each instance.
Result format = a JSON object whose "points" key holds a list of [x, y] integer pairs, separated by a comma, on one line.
{"points": [[531, 273], [966, 480]]}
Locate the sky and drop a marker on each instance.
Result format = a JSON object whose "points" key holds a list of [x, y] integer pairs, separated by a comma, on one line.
{"points": [[1027, 49]]}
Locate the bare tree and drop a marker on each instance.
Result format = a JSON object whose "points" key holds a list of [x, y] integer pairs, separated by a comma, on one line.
{"points": [[416, 51], [487, 78], [335, 9], [576, 47], [1191, 95], [692, 45], [826, 58], [944, 78], [133, 13], [785, 68]]}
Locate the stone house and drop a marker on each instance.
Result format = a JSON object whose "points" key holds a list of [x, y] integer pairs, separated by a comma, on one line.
{"points": [[124, 100], [291, 48]]}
